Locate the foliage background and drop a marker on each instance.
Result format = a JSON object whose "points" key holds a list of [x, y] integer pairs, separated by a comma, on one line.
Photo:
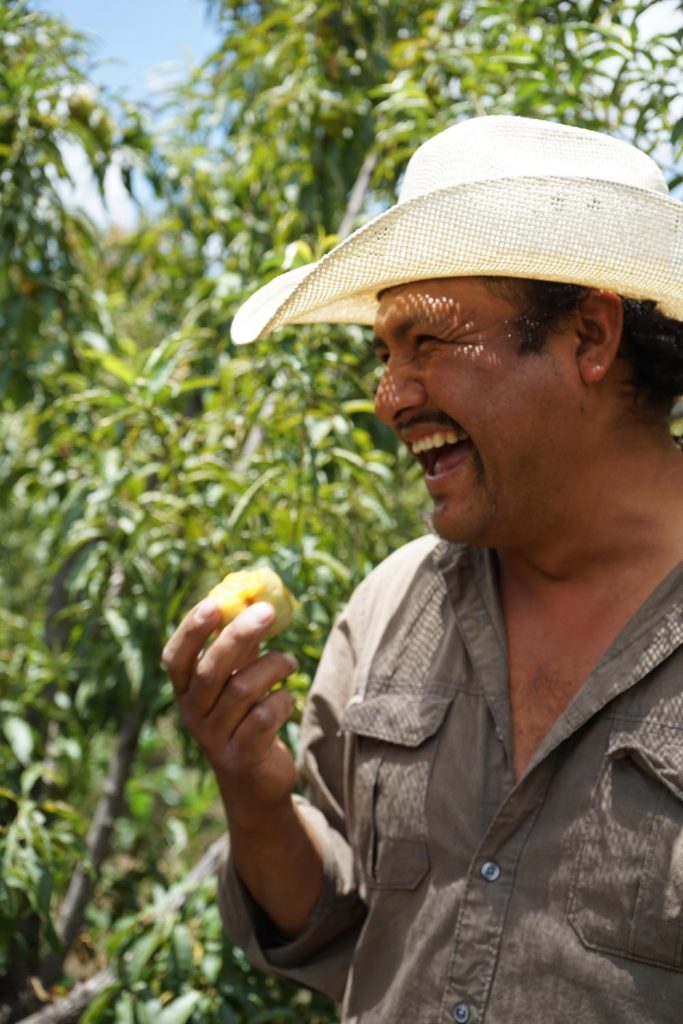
{"points": [[141, 456]]}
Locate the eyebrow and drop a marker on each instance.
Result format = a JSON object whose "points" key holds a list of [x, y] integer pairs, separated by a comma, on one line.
{"points": [[404, 326]]}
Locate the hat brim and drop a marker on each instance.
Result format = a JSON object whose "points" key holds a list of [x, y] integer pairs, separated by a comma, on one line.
{"points": [[591, 232]]}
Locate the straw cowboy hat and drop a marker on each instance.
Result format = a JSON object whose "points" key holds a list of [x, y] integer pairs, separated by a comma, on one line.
{"points": [[499, 196]]}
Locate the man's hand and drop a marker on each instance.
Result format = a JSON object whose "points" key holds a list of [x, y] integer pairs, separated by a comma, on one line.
{"points": [[224, 694]]}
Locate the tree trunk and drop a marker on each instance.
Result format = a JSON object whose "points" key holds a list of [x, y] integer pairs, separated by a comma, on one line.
{"points": [[98, 842]]}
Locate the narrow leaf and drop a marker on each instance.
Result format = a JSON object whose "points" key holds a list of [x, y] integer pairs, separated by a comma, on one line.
{"points": [[19, 737], [130, 653], [677, 131], [98, 1007], [141, 952], [242, 503], [180, 1010]]}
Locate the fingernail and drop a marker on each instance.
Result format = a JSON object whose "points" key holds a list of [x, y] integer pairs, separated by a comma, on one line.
{"points": [[206, 610], [292, 662], [258, 614]]}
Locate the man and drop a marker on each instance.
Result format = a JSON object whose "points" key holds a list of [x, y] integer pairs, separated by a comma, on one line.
{"points": [[493, 747]]}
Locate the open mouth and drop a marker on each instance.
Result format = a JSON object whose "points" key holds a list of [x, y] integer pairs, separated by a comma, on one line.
{"points": [[441, 451]]}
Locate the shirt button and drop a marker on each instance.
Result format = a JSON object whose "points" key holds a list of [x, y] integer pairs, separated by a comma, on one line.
{"points": [[490, 870], [461, 1013]]}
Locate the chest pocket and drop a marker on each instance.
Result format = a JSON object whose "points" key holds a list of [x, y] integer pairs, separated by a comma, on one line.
{"points": [[393, 742], [627, 896]]}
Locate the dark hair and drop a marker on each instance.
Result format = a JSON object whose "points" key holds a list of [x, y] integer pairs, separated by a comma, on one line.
{"points": [[651, 341]]}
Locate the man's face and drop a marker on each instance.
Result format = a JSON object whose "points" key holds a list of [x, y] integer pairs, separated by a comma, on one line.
{"points": [[496, 431]]}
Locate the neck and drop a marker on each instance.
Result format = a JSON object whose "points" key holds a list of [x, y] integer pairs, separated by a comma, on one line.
{"points": [[625, 515]]}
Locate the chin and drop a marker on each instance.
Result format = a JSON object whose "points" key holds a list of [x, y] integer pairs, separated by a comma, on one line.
{"points": [[457, 532], [460, 528]]}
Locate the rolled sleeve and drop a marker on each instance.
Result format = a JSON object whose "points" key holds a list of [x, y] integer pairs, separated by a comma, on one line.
{"points": [[320, 956]]}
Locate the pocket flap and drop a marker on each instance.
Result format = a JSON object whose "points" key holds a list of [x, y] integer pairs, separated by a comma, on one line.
{"points": [[656, 748], [405, 719]]}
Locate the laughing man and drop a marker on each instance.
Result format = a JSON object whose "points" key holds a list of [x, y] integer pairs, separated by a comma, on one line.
{"points": [[493, 747]]}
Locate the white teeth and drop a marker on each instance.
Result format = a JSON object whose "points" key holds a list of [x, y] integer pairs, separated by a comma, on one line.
{"points": [[437, 440]]}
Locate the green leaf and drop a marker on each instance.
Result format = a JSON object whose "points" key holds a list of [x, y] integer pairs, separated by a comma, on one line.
{"points": [[358, 405], [242, 504], [97, 1009], [196, 384], [136, 958], [20, 738], [147, 1011], [180, 1010], [181, 952], [130, 652], [340, 570], [29, 777], [123, 1009], [112, 364]]}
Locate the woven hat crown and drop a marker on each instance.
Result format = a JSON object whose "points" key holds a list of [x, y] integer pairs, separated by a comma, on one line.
{"points": [[490, 148], [497, 196]]}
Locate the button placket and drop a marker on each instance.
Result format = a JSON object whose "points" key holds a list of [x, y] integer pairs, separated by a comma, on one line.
{"points": [[482, 912]]}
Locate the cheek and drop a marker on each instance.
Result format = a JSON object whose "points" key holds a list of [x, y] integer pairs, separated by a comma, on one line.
{"points": [[383, 396], [470, 384]]}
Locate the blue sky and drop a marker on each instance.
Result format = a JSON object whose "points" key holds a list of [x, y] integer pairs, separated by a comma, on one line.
{"points": [[140, 41], [140, 45], [143, 44]]}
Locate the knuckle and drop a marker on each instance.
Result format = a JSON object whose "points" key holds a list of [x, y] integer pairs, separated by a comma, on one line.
{"points": [[275, 666], [203, 672], [263, 715], [195, 625], [240, 687], [246, 629], [274, 660], [286, 664]]}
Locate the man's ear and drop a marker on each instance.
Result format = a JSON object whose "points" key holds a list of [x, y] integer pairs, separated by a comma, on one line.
{"points": [[600, 327]]}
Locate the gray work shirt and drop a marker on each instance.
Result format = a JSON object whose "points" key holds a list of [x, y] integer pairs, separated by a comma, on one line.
{"points": [[452, 892]]}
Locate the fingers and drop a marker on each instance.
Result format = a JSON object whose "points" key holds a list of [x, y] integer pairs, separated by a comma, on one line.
{"points": [[180, 654], [237, 643], [245, 696], [223, 690], [258, 730], [235, 648], [230, 701]]}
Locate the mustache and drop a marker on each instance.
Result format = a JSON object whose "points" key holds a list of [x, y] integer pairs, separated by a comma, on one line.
{"points": [[433, 419]]}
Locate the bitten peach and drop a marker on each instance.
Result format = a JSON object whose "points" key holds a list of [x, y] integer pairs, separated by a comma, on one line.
{"points": [[238, 590]]}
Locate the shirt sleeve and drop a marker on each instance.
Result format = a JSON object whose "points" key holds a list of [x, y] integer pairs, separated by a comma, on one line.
{"points": [[319, 957]]}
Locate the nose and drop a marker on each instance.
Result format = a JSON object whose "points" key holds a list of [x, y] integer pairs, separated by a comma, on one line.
{"points": [[400, 391]]}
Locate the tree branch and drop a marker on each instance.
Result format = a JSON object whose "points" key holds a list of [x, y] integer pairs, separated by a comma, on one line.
{"points": [[73, 1005], [98, 841], [357, 195]]}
